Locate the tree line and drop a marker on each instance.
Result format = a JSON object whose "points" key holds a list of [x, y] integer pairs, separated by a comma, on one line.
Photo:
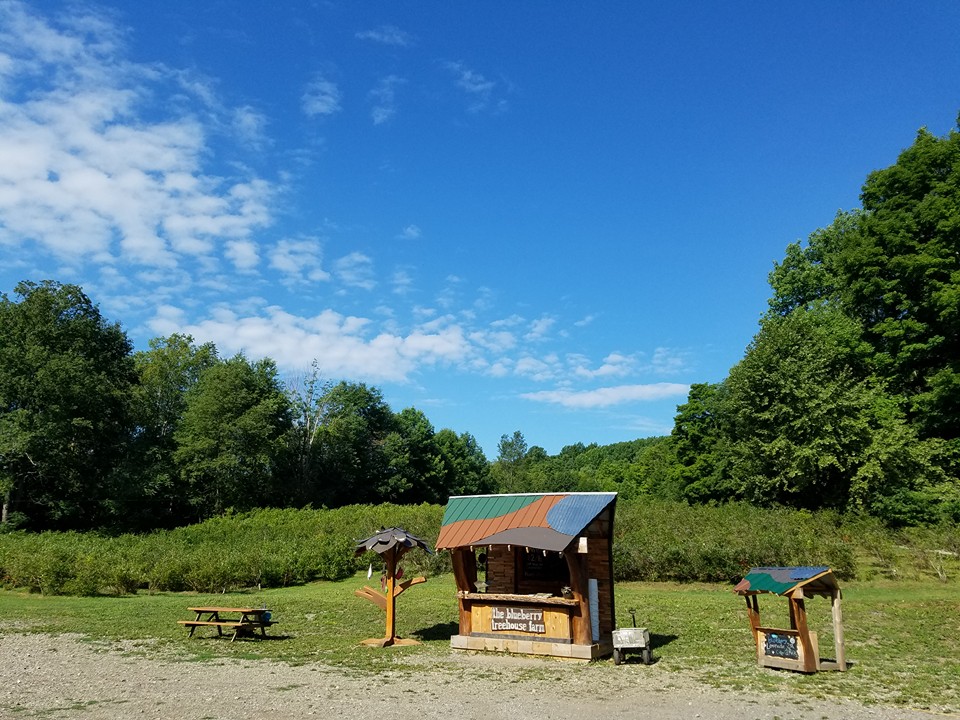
{"points": [[94, 435]]}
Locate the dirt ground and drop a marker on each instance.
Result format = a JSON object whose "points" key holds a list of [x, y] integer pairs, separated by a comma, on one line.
{"points": [[62, 677]]}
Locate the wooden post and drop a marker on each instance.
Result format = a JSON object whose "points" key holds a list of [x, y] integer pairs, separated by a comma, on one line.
{"points": [[753, 615], [390, 559], [465, 575], [838, 645], [798, 614], [582, 627]]}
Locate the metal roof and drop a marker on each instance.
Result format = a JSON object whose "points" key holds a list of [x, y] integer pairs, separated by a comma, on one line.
{"points": [[784, 580], [388, 539], [543, 521]]}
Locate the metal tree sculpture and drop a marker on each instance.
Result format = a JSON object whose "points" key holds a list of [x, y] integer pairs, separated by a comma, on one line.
{"points": [[391, 544]]}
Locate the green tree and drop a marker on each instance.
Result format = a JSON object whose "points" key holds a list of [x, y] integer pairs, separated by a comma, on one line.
{"points": [[351, 436], [807, 425], [150, 492], [415, 470], [466, 468], [66, 375], [701, 439], [230, 437], [508, 471], [895, 267]]}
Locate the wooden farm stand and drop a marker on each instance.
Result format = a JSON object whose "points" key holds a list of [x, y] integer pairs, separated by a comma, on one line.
{"points": [[796, 648], [547, 572], [391, 544]]}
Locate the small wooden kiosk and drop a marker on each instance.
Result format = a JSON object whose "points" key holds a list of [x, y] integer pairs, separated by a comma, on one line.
{"points": [[796, 648], [534, 572]]}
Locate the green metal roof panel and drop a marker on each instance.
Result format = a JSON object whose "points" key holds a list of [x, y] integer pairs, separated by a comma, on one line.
{"points": [[778, 580], [484, 507]]}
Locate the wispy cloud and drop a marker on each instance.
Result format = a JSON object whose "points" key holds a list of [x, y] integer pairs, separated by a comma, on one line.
{"points": [[320, 97], [299, 260], [539, 328], [402, 282], [384, 99], [608, 396], [669, 361], [387, 35], [614, 365], [86, 175], [410, 232], [479, 89], [344, 346], [355, 270]]}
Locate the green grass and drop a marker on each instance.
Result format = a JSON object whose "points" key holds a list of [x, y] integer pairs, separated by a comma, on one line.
{"points": [[903, 637]]}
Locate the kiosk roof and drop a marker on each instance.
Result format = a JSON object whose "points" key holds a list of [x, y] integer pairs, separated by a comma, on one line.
{"points": [[543, 521]]}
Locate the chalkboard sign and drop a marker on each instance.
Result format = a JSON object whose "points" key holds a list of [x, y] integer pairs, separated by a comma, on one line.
{"points": [[551, 567], [777, 645]]}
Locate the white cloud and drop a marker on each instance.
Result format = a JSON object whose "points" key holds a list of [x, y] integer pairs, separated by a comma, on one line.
{"points": [[410, 232], [300, 260], [321, 97], [402, 282], [605, 397], [539, 328], [250, 126], [539, 369], [85, 176], [342, 345], [355, 270], [384, 99], [387, 35], [614, 365], [478, 88], [667, 361]]}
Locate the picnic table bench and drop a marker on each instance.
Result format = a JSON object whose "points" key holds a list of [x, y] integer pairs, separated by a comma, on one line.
{"points": [[243, 621]]}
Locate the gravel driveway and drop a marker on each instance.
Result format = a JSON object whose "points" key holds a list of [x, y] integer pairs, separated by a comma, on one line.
{"points": [[62, 677]]}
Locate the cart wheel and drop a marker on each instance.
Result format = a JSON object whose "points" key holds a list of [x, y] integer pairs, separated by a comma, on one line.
{"points": [[617, 656], [647, 656]]}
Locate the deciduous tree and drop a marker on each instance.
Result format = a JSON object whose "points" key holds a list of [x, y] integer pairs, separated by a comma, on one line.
{"points": [[66, 376]]}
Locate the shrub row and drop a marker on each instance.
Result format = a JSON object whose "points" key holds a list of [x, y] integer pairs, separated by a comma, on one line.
{"points": [[653, 540], [265, 548]]}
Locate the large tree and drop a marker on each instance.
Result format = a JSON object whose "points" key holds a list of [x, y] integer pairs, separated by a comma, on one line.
{"points": [[808, 426], [350, 441], [894, 266], [66, 376], [149, 490], [230, 438]]}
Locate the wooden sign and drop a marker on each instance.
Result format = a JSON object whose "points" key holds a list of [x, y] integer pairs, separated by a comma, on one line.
{"points": [[517, 619]]}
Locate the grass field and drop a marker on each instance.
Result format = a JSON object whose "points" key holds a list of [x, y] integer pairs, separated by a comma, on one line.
{"points": [[903, 637]]}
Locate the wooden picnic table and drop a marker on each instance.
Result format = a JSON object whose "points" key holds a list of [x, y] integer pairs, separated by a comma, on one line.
{"points": [[243, 621]]}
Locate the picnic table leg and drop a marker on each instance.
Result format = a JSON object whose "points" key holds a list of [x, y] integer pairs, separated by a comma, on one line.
{"points": [[194, 627]]}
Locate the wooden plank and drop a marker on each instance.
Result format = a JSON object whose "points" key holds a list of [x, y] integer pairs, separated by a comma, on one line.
{"points": [[582, 628], [407, 583], [838, 644], [799, 611], [226, 623], [368, 593]]}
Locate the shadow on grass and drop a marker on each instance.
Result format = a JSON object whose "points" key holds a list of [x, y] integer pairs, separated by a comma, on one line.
{"points": [[657, 640], [440, 631]]}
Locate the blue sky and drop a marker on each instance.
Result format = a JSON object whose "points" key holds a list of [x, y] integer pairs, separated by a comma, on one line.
{"points": [[550, 217]]}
